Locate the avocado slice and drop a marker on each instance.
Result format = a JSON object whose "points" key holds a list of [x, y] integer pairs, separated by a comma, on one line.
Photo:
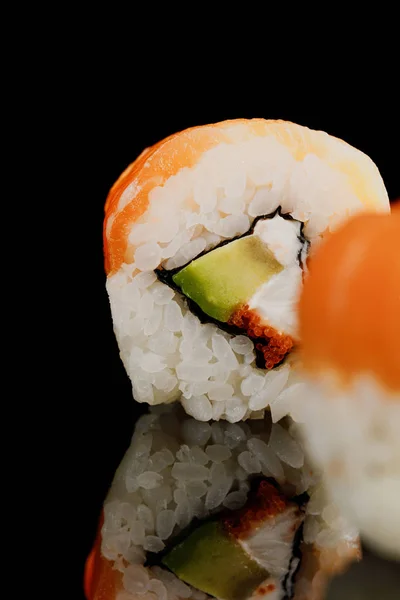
{"points": [[211, 560], [227, 277]]}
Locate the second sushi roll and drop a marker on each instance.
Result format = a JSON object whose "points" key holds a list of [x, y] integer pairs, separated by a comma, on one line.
{"points": [[350, 329], [216, 510], [206, 238]]}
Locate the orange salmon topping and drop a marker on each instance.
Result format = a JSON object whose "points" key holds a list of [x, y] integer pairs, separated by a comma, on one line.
{"points": [[128, 198], [152, 168], [268, 502], [350, 304], [273, 345], [101, 581]]}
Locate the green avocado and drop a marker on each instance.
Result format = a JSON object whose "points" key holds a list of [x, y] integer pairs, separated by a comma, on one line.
{"points": [[226, 278], [212, 561]]}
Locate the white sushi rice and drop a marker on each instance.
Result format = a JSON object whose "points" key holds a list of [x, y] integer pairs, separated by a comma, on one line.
{"points": [[359, 453], [178, 468], [168, 354]]}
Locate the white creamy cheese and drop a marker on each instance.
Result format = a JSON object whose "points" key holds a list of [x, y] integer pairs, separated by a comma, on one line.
{"points": [[282, 238], [276, 300]]}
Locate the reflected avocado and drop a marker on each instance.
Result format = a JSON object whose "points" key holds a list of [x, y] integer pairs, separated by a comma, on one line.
{"points": [[212, 561]]}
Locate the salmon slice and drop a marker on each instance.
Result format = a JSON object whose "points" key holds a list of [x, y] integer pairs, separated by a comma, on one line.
{"points": [[350, 305], [101, 581], [128, 198], [153, 167]]}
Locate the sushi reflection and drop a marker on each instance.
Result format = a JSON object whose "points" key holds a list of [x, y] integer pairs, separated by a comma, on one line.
{"points": [[217, 510]]}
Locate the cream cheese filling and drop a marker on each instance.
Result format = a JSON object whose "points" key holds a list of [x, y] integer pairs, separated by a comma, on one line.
{"points": [[276, 300]]}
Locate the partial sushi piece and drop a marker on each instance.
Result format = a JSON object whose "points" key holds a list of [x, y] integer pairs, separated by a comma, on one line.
{"points": [[206, 238], [350, 330], [216, 510]]}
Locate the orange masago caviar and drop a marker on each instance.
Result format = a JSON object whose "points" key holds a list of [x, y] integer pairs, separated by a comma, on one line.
{"points": [[273, 345]]}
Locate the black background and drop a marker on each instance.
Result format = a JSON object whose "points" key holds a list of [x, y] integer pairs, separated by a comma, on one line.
{"points": [[106, 130]]}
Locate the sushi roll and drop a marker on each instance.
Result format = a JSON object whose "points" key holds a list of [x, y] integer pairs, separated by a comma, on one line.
{"points": [[206, 239], [216, 510], [350, 329]]}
